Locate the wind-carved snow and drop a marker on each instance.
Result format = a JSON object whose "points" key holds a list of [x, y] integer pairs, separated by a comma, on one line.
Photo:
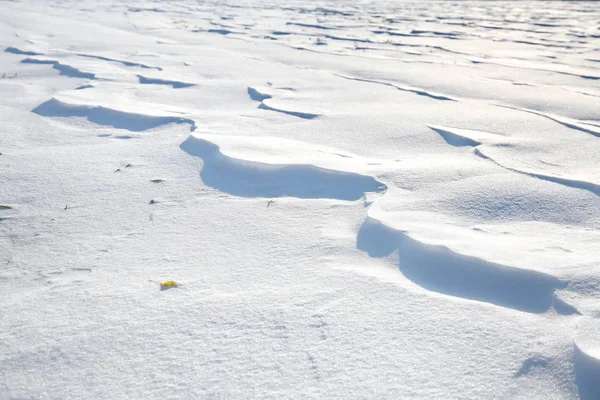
{"points": [[15, 50], [451, 256], [439, 269], [126, 63], [586, 357], [419, 92], [588, 75], [356, 193], [272, 167], [568, 122], [466, 137], [84, 67], [534, 292], [566, 181], [103, 115], [157, 81], [304, 115], [257, 95], [62, 68]]}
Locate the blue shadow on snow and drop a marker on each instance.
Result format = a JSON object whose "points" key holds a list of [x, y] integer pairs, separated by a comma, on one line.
{"points": [[441, 270], [253, 179]]}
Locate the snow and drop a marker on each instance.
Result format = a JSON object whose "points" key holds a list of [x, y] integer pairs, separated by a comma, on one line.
{"points": [[356, 199]]}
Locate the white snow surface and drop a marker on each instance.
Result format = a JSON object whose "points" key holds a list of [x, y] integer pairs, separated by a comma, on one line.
{"points": [[357, 199]]}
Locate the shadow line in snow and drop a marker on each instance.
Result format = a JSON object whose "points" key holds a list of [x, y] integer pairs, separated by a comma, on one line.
{"points": [[531, 364], [253, 179], [569, 123], [256, 95], [108, 117], [14, 50], [453, 138], [314, 26], [419, 92], [587, 373], [573, 183], [583, 76], [154, 81], [439, 269], [125, 63], [462, 138], [259, 96], [298, 114], [223, 32], [65, 70]]}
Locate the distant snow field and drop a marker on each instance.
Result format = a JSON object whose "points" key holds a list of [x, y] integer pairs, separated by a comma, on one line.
{"points": [[354, 199]]}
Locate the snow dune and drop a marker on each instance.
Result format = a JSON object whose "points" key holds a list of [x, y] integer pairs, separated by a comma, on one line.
{"points": [[106, 116], [462, 137], [439, 269], [262, 170], [356, 200]]}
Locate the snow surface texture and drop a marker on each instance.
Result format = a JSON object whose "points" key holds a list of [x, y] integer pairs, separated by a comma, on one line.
{"points": [[356, 199]]}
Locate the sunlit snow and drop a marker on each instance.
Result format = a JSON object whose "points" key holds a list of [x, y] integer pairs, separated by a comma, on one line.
{"points": [[353, 199]]}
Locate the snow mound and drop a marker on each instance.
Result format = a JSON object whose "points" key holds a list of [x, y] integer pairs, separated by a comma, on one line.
{"points": [[493, 142], [108, 117], [260, 95], [586, 358], [274, 167], [403, 88], [466, 137], [157, 81], [568, 122], [299, 114], [64, 69], [439, 269]]}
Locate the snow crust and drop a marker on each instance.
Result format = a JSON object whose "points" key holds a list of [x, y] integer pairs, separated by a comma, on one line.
{"points": [[357, 199]]}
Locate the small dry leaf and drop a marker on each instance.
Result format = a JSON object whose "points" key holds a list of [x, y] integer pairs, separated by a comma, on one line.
{"points": [[168, 284]]}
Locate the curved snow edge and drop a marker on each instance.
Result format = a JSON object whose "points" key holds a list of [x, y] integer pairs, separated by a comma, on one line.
{"points": [[439, 269], [108, 117], [248, 178]]}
